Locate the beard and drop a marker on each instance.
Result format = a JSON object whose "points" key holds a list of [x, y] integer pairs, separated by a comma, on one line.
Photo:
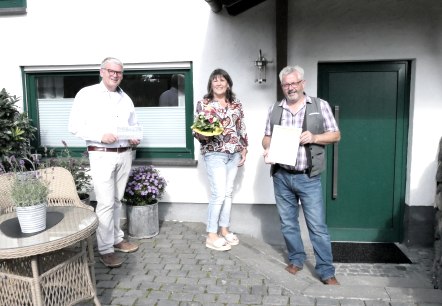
{"points": [[293, 95]]}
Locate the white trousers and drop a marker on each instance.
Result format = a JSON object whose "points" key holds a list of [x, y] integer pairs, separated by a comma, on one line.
{"points": [[109, 172]]}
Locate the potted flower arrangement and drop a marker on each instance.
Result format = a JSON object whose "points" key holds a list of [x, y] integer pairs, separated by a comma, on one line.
{"points": [[207, 122], [29, 192], [144, 188], [78, 167]]}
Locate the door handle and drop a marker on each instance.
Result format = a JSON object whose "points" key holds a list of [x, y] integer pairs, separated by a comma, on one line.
{"points": [[335, 160]]}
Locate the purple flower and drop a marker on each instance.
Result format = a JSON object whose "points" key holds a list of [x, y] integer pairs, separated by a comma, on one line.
{"points": [[145, 185]]}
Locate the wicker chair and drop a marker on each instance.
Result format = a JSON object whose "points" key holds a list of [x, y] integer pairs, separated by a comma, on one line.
{"points": [[62, 188], [62, 193], [6, 204], [61, 185]]}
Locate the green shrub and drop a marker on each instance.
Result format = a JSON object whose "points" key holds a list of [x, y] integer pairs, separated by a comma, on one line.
{"points": [[16, 130]]}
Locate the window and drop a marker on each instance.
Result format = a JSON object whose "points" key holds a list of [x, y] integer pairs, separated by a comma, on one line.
{"points": [[12, 7], [162, 98]]}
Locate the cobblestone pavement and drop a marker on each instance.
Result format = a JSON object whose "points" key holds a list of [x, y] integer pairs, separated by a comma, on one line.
{"points": [[175, 268]]}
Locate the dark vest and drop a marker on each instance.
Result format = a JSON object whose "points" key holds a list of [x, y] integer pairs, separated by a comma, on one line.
{"points": [[313, 122]]}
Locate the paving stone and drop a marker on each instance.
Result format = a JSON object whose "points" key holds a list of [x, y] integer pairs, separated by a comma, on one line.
{"points": [[129, 301], [182, 296], [301, 300], [191, 304], [175, 268], [107, 284], [376, 303], [194, 288], [157, 295], [172, 287], [167, 303], [149, 286], [251, 299], [351, 303], [204, 298], [228, 298], [327, 302], [275, 300]]}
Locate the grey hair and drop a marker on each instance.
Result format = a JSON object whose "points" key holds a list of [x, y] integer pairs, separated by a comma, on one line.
{"points": [[290, 69], [111, 60]]}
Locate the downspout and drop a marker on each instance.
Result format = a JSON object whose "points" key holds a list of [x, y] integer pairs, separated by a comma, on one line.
{"points": [[281, 41], [215, 5]]}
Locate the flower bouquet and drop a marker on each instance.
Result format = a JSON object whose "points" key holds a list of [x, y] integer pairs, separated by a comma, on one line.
{"points": [[207, 123]]}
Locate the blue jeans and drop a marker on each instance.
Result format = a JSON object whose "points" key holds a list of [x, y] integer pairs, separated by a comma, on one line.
{"points": [[289, 189], [221, 172]]}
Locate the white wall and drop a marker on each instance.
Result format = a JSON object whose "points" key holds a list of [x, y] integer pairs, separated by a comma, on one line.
{"points": [[84, 32], [348, 30]]}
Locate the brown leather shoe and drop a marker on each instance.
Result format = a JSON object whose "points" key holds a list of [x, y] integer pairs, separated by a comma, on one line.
{"points": [[291, 268], [111, 260], [126, 247], [331, 281]]}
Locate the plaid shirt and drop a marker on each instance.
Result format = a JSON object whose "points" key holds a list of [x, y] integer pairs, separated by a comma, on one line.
{"points": [[296, 120]]}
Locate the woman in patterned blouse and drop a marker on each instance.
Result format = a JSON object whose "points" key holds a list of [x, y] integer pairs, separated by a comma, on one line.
{"points": [[223, 154]]}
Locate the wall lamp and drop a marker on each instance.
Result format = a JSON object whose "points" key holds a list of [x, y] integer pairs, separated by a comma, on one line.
{"points": [[261, 64]]}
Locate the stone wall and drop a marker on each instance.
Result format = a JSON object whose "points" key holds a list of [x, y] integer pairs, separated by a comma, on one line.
{"points": [[437, 267]]}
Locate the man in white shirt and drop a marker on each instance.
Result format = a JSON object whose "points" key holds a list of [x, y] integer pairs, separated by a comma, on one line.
{"points": [[97, 113]]}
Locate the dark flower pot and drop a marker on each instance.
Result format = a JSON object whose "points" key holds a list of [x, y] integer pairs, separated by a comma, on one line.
{"points": [[85, 198]]}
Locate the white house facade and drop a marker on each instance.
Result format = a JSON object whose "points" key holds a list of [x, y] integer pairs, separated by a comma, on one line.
{"points": [[365, 43]]}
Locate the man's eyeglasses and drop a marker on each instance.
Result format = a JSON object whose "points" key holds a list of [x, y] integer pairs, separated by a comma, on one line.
{"points": [[294, 84], [114, 72]]}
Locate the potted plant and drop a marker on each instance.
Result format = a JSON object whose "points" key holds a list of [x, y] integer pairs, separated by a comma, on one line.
{"points": [[144, 188], [78, 167], [29, 192]]}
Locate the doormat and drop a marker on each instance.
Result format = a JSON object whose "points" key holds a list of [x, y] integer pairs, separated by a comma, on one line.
{"points": [[351, 252]]}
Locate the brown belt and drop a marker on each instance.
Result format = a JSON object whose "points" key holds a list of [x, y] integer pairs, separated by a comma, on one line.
{"points": [[104, 149]]}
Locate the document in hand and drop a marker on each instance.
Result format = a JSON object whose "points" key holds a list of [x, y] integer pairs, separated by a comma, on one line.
{"points": [[130, 132], [284, 145]]}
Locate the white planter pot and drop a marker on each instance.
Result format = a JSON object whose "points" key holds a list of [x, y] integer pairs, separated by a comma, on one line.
{"points": [[32, 219]]}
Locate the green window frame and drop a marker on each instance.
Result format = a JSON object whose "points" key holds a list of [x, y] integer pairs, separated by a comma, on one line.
{"points": [[39, 106], [12, 7]]}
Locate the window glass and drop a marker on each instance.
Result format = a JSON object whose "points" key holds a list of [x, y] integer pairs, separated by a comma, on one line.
{"points": [[55, 87], [159, 97], [153, 90], [12, 7]]}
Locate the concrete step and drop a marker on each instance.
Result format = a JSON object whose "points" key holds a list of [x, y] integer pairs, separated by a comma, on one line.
{"points": [[270, 260]]}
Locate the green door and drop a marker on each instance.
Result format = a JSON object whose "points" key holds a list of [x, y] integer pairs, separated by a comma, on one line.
{"points": [[365, 177]]}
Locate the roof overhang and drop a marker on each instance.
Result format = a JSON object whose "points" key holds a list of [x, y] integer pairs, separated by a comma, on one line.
{"points": [[233, 7]]}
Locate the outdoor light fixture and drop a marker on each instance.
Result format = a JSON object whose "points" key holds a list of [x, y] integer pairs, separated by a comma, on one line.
{"points": [[261, 64]]}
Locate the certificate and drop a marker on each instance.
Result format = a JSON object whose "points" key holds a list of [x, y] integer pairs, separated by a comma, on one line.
{"points": [[130, 132], [284, 145]]}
